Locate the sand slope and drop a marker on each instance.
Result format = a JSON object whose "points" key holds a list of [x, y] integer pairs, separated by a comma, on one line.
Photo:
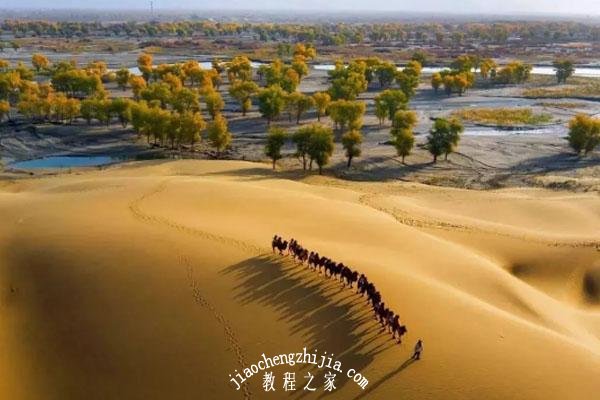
{"points": [[156, 280]]}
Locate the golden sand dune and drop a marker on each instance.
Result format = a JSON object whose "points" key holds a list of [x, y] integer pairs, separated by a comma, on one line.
{"points": [[156, 280]]}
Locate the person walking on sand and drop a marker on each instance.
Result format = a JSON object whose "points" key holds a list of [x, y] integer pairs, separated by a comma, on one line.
{"points": [[418, 350]]}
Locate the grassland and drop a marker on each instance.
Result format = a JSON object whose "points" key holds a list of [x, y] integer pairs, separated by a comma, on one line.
{"points": [[502, 116]]}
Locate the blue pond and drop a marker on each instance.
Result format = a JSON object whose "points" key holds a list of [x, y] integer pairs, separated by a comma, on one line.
{"points": [[63, 162]]}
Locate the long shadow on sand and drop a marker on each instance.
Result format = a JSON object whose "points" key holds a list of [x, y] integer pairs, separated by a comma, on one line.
{"points": [[384, 379], [327, 316]]}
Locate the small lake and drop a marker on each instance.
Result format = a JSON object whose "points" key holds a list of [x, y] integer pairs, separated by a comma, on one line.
{"points": [[63, 162]]}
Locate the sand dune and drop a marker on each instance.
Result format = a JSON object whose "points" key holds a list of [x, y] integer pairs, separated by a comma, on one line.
{"points": [[156, 280]]}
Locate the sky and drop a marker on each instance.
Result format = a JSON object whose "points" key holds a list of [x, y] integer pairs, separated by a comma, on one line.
{"points": [[582, 7]]}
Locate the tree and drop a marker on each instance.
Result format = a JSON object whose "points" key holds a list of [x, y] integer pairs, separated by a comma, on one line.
{"points": [[301, 139], [420, 56], [564, 69], [391, 100], [191, 125], [436, 81], [121, 107], [386, 73], [348, 82], [77, 83], [299, 65], [404, 141], [351, 142], [408, 83], [214, 103], [299, 103], [4, 109], [39, 62], [347, 114], [381, 110], [271, 101], [320, 146], [322, 101], [513, 72], [276, 138], [144, 62], [464, 63], [138, 84], [278, 73], [185, 99], [487, 68], [218, 134], [172, 80], [240, 68], [443, 137], [403, 138], [307, 51], [158, 91], [123, 76], [243, 91], [139, 115], [103, 111], [584, 133], [88, 109]]}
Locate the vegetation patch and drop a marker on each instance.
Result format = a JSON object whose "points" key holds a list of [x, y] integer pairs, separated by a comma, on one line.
{"points": [[590, 89], [502, 116]]}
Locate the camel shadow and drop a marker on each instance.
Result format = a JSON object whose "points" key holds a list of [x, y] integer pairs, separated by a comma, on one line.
{"points": [[327, 317]]}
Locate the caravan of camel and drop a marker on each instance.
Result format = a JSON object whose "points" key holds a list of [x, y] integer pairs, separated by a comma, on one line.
{"points": [[387, 318]]}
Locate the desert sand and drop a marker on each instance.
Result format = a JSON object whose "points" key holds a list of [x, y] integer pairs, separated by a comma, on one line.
{"points": [[156, 280]]}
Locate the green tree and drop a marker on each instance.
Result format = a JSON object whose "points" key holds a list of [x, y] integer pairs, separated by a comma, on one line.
{"points": [[88, 109], [564, 69], [271, 101], [386, 73], [351, 142], [391, 100], [214, 103], [322, 101], [348, 82], [191, 126], [299, 103], [487, 68], [320, 147], [218, 134], [158, 91], [584, 133], [403, 138], [243, 91], [404, 141], [301, 138], [420, 56], [123, 76], [276, 139], [443, 137], [347, 114], [121, 107], [185, 99], [240, 68], [436, 81]]}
